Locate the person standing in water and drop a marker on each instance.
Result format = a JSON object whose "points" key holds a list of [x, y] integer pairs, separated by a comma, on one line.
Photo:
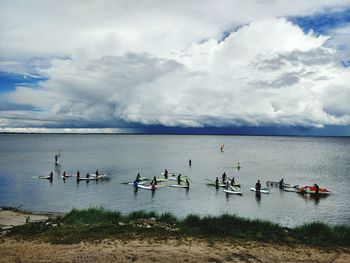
{"points": [[223, 177], [281, 184], [232, 181], [78, 176], [189, 162], [138, 177], [187, 183], [56, 159], [179, 179], [166, 174], [317, 188], [51, 176], [217, 182], [258, 187]]}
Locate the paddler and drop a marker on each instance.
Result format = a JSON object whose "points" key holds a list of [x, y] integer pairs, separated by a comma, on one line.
{"points": [[78, 176], [51, 176], [232, 181], [223, 177], [258, 187], [138, 177], [136, 184], [155, 180], [179, 179], [166, 174], [153, 185], [96, 173], [217, 182], [317, 188], [64, 175], [281, 183]]}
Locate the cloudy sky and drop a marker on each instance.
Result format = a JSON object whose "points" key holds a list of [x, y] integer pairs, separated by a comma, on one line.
{"points": [[258, 66]]}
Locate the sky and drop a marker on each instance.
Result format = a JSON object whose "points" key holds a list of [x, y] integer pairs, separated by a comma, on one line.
{"points": [[186, 66]]}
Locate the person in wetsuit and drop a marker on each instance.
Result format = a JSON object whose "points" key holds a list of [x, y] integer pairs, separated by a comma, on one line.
{"points": [[258, 187], [223, 177]]}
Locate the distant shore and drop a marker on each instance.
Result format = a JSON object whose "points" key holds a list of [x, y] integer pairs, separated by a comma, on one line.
{"points": [[99, 235]]}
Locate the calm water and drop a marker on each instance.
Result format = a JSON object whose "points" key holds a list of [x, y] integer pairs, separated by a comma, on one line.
{"points": [[299, 160]]}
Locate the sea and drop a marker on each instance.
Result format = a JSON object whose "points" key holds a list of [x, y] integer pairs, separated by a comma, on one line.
{"points": [[298, 160]]}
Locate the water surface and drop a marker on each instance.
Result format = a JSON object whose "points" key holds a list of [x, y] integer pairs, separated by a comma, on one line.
{"points": [[299, 160]]}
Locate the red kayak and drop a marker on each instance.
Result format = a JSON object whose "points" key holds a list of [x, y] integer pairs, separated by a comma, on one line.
{"points": [[312, 190]]}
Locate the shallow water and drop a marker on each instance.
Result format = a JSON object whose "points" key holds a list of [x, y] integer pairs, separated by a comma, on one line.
{"points": [[299, 160]]}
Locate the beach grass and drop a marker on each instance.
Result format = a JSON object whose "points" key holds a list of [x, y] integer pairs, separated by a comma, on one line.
{"points": [[98, 223]]}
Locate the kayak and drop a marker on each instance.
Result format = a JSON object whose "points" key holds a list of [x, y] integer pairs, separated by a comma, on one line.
{"points": [[179, 186], [262, 190], [232, 192], [149, 187], [312, 190]]}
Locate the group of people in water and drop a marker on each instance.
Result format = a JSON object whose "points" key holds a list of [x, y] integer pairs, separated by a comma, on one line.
{"points": [[155, 181], [65, 176]]}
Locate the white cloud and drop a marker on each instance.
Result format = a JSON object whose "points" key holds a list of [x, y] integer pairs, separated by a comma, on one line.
{"points": [[158, 63]]}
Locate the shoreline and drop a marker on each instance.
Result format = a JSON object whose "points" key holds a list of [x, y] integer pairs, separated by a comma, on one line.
{"points": [[98, 235]]}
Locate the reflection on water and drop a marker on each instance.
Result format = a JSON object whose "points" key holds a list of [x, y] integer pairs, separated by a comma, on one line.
{"points": [[299, 160]]}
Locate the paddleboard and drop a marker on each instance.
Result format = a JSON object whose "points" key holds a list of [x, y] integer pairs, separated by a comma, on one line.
{"points": [[179, 186], [87, 179], [132, 183], [263, 190], [232, 192], [149, 187], [290, 189]]}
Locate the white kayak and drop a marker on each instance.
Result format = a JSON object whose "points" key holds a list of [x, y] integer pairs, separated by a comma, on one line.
{"points": [[179, 186], [232, 192], [262, 190]]}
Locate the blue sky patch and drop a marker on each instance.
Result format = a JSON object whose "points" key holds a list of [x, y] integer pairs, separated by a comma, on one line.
{"points": [[9, 81], [322, 23]]}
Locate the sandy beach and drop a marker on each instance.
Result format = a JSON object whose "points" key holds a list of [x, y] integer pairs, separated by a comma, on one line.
{"points": [[12, 217], [172, 250], [141, 249]]}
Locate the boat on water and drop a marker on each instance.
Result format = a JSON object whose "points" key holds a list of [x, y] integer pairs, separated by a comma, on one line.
{"points": [[312, 190]]}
